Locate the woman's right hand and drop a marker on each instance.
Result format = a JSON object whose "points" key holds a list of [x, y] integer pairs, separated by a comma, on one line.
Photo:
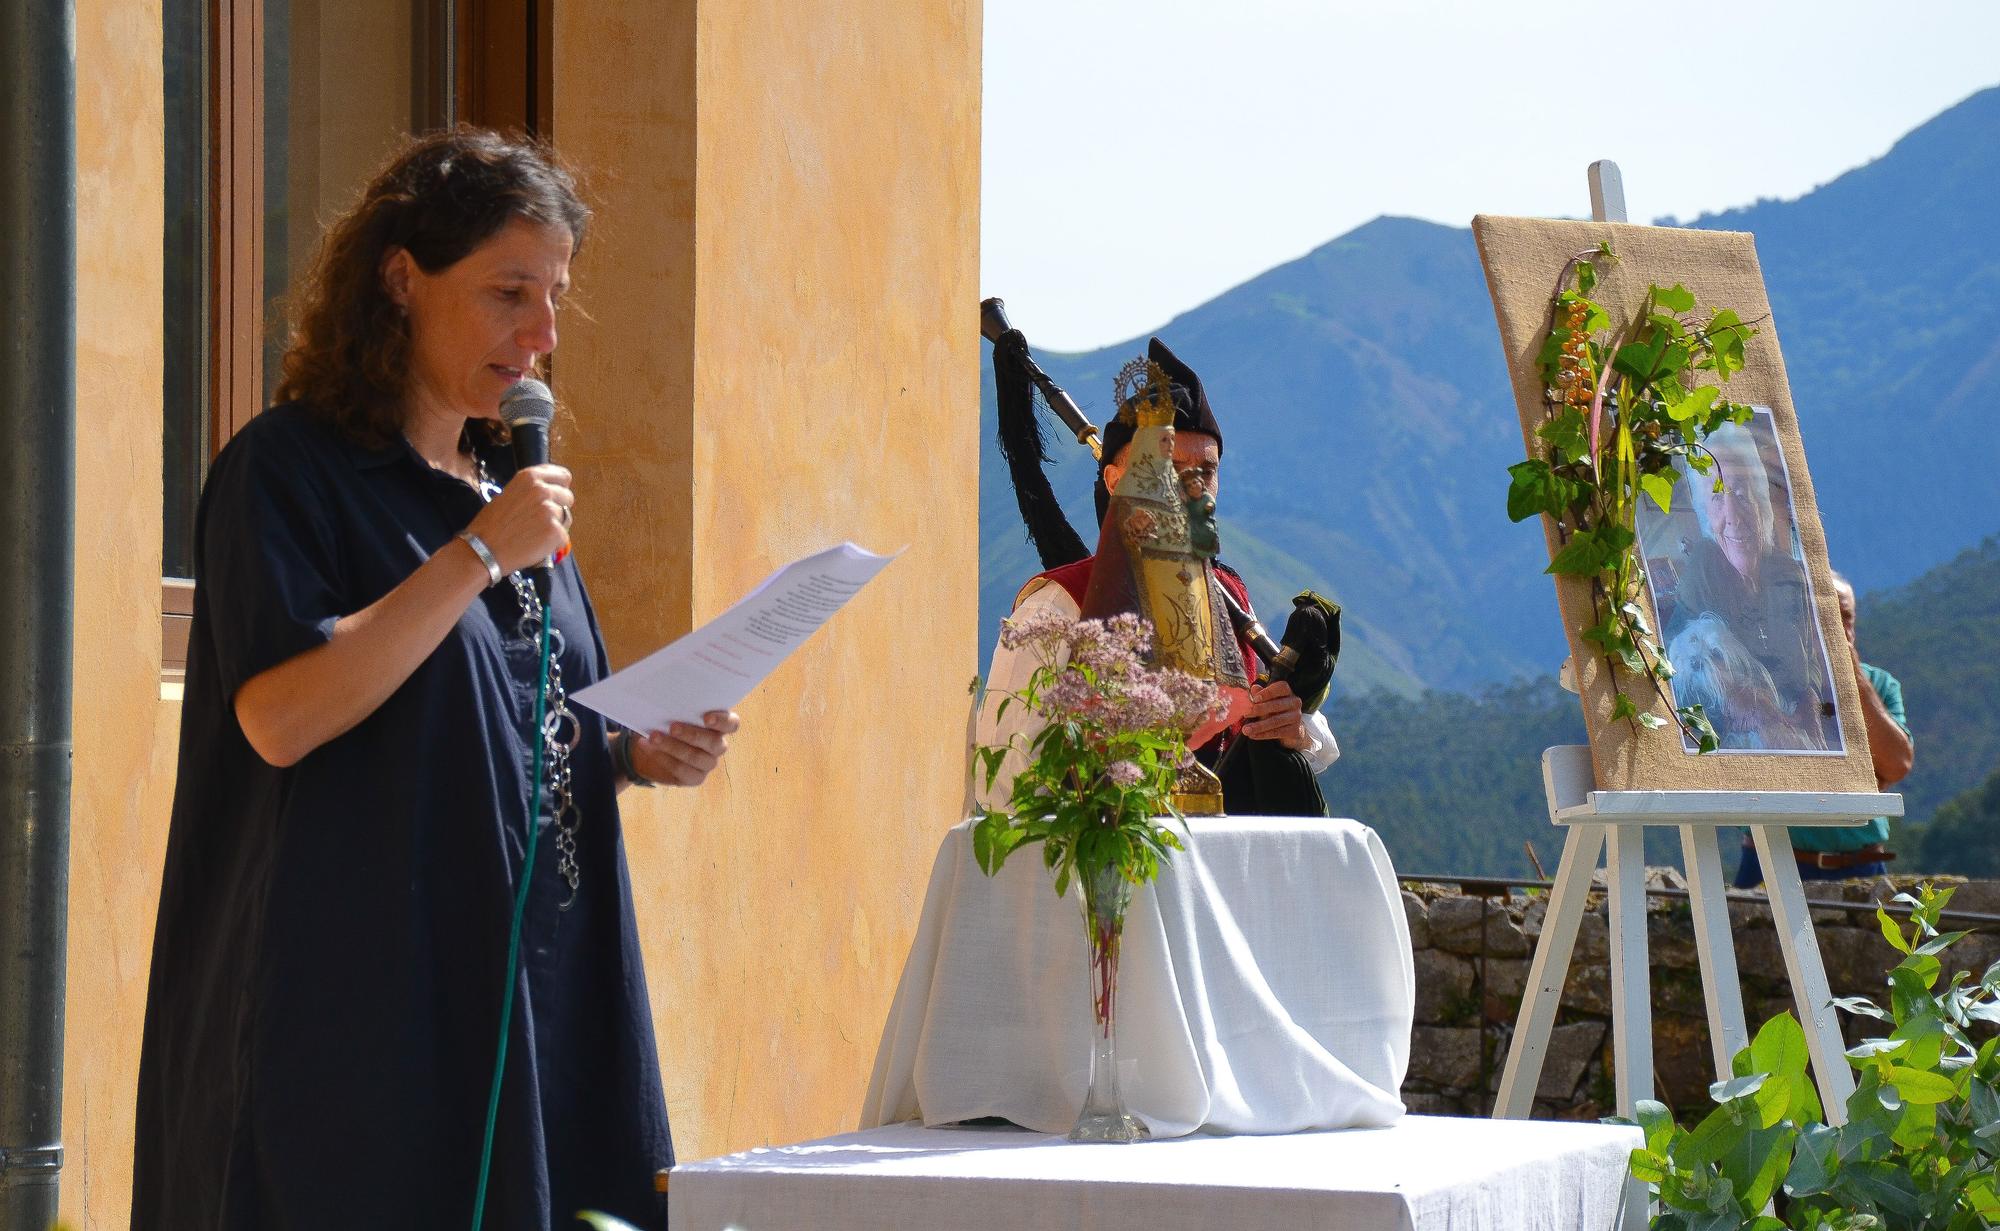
{"points": [[528, 522]]}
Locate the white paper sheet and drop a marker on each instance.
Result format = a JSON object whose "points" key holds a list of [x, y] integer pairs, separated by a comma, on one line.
{"points": [[718, 664]]}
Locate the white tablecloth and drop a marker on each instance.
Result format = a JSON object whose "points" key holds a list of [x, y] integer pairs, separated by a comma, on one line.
{"points": [[1423, 1174], [1265, 987]]}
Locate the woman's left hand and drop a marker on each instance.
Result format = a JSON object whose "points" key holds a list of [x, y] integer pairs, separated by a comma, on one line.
{"points": [[683, 754], [1277, 713]]}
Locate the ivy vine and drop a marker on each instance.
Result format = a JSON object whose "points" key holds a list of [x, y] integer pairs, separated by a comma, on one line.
{"points": [[1624, 403]]}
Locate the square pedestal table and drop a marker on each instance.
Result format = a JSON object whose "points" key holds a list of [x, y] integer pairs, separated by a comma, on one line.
{"points": [[1265, 986], [1424, 1173]]}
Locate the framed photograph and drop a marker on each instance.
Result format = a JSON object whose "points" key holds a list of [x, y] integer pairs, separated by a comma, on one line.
{"points": [[1735, 600], [1737, 583]]}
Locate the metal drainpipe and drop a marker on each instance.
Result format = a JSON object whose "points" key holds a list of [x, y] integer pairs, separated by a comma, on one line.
{"points": [[37, 548]]}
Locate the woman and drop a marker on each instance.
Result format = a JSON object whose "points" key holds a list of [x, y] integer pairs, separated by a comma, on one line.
{"points": [[1740, 572], [351, 816]]}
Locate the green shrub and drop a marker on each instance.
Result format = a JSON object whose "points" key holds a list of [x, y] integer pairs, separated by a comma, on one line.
{"points": [[1922, 1136]]}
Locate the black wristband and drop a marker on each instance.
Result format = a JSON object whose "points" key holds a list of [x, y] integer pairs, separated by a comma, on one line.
{"points": [[621, 757]]}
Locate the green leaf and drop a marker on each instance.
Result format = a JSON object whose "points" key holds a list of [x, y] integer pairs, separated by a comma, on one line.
{"points": [[1656, 1120], [1871, 1048], [1889, 1188], [1533, 489], [1585, 555], [1916, 974], [1622, 708], [1648, 1166], [1814, 1162], [1924, 1032], [1782, 1098], [1694, 720], [1676, 298], [1863, 1006], [1586, 277], [1696, 403], [1892, 931], [1756, 1167], [1718, 1133], [1982, 1099], [1568, 433], [1638, 360], [1938, 944], [1661, 488], [1916, 1127], [1919, 1086], [1736, 1087], [1780, 1047]]}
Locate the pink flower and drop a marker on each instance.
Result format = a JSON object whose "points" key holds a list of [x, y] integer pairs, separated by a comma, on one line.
{"points": [[1123, 773], [1129, 633], [1104, 648], [1144, 706], [1042, 629], [1194, 700], [1070, 696]]}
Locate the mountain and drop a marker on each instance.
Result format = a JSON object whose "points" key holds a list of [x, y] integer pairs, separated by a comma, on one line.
{"points": [[1368, 421], [1453, 782], [1964, 837], [1940, 637]]}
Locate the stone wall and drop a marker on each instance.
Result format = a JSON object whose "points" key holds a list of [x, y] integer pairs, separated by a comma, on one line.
{"points": [[1472, 957]]}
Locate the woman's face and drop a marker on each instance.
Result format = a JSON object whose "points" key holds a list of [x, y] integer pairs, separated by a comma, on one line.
{"points": [[1732, 518], [485, 322]]}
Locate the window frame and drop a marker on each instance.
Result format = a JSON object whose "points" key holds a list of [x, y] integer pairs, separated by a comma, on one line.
{"points": [[495, 56]]}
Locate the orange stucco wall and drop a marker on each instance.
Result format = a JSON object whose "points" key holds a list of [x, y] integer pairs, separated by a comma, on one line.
{"points": [[776, 352], [124, 733], [782, 354]]}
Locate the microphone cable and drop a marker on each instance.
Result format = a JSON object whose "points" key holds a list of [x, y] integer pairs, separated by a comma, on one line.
{"points": [[514, 932]]}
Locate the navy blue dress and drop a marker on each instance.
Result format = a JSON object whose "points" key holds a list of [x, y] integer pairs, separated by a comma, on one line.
{"points": [[329, 960]]}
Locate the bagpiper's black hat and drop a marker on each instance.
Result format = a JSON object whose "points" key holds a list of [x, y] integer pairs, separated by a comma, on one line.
{"points": [[1192, 413]]}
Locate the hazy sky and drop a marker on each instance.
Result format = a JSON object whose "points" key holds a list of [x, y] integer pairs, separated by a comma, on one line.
{"points": [[1142, 156]]}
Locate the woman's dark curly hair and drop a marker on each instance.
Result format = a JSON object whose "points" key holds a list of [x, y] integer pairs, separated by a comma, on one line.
{"points": [[439, 197]]}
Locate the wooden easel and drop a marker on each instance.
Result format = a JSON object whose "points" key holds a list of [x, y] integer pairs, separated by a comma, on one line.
{"points": [[1614, 822]]}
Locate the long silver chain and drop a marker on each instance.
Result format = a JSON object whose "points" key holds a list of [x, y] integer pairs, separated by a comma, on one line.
{"points": [[561, 730]]}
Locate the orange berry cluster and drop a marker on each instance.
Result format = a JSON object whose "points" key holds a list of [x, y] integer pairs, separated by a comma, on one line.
{"points": [[1574, 386]]}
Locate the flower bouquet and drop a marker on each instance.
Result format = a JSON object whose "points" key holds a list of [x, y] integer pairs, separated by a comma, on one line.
{"points": [[1097, 792]]}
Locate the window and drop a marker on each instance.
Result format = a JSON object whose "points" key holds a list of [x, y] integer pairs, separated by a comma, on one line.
{"points": [[277, 112]]}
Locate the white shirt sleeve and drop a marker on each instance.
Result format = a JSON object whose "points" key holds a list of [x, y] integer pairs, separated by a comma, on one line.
{"points": [[1009, 673], [1325, 750]]}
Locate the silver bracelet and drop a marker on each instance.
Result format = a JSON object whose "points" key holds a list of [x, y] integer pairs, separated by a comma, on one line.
{"points": [[479, 548]]}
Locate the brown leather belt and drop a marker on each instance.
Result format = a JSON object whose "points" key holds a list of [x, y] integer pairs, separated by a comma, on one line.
{"points": [[1833, 861]]}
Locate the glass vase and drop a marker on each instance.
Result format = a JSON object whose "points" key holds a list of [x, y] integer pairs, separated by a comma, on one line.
{"points": [[1106, 896]]}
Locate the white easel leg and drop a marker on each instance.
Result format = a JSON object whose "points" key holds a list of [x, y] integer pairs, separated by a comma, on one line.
{"points": [[1800, 946], [1631, 984], [1708, 898], [1631, 993], [1547, 974]]}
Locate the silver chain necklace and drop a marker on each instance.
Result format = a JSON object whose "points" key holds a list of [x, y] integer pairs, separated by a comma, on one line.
{"points": [[561, 730]]}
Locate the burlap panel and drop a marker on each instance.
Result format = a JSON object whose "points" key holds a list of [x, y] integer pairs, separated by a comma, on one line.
{"points": [[1523, 257]]}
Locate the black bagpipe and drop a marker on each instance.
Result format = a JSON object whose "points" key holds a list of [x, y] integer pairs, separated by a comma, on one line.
{"points": [[1259, 776]]}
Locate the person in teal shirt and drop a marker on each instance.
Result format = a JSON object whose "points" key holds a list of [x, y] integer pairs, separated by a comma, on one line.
{"points": [[1828, 853]]}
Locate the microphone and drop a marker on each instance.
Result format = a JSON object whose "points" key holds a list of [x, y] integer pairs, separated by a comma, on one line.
{"points": [[527, 409]]}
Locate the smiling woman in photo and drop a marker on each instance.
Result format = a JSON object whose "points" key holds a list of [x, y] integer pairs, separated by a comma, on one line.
{"points": [[1740, 572]]}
